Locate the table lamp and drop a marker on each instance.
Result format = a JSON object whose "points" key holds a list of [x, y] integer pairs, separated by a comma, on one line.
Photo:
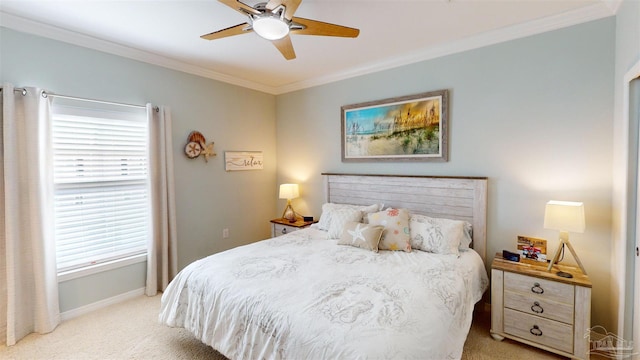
{"points": [[565, 216], [289, 191]]}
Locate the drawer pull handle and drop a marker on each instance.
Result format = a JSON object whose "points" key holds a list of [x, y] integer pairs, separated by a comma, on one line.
{"points": [[537, 289], [536, 308], [284, 230], [535, 330]]}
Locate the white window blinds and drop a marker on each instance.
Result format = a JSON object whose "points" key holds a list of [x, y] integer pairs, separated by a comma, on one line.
{"points": [[101, 181]]}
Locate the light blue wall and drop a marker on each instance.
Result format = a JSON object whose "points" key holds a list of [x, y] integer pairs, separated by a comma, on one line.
{"points": [[534, 115], [208, 199], [100, 286]]}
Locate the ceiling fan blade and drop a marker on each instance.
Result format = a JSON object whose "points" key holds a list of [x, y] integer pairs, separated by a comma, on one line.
{"points": [[230, 31], [314, 27], [285, 47], [240, 7], [290, 5]]}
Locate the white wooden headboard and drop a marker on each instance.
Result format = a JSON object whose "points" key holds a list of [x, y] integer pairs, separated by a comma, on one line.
{"points": [[460, 198]]}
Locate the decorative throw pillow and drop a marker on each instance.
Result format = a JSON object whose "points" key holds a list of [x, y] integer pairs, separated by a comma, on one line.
{"points": [[467, 236], [365, 236], [436, 235], [339, 217], [396, 229], [323, 222], [325, 218]]}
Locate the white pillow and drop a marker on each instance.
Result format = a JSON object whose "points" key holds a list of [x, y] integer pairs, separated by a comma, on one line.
{"points": [[467, 237], [339, 217], [436, 235], [325, 218]]}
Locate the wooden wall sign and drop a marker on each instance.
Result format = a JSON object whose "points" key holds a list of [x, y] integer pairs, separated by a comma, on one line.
{"points": [[243, 160]]}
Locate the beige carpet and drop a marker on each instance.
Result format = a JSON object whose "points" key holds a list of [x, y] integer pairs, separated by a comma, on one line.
{"points": [[130, 330]]}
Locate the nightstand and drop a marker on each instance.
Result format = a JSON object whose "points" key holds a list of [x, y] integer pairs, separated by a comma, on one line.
{"points": [[283, 226], [539, 308]]}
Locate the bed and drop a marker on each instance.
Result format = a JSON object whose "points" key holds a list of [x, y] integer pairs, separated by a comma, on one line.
{"points": [[306, 296]]}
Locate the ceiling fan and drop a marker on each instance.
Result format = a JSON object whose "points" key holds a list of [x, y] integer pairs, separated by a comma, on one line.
{"points": [[274, 21]]}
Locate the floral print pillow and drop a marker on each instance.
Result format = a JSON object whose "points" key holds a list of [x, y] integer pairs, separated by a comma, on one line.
{"points": [[396, 229]]}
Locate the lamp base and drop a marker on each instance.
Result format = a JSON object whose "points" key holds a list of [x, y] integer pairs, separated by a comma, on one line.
{"points": [[289, 213], [564, 240]]}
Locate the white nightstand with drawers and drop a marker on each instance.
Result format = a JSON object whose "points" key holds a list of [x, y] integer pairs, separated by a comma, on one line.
{"points": [[539, 308]]}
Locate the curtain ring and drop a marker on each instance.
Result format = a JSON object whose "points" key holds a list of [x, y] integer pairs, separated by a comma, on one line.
{"points": [[24, 92], [156, 108], [44, 94]]}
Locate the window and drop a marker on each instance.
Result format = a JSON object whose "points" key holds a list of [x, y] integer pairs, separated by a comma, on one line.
{"points": [[102, 206]]}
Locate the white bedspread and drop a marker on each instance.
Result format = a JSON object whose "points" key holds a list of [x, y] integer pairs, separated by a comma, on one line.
{"points": [[300, 296]]}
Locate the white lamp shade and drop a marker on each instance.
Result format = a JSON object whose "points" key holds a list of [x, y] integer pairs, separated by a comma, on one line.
{"points": [[289, 191], [564, 216]]}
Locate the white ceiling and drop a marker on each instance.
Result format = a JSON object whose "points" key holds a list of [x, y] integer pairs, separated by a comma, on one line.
{"points": [[392, 33]]}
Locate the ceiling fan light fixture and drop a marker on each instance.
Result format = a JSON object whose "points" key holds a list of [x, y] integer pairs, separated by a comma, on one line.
{"points": [[270, 28]]}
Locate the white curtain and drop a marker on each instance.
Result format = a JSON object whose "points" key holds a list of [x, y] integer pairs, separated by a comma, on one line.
{"points": [[28, 274], [162, 261]]}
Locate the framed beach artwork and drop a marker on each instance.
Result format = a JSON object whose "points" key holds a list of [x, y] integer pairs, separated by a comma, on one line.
{"points": [[408, 128]]}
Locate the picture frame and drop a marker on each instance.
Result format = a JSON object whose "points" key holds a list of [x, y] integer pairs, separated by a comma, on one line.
{"points": [[406, 128], [532, 248]]}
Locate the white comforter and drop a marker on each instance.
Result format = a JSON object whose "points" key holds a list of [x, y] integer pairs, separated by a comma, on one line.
{"points": [[300, 296]]}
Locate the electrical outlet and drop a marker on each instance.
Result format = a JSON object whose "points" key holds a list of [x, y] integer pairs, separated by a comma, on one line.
{"points": [[225, 233]]}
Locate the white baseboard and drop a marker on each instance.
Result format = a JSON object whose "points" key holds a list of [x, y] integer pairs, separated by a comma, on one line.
{"points": [[67, 315]]}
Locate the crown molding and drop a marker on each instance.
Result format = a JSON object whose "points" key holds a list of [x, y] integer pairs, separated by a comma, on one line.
{"points": [[600, 10], [586, 14], [28, 26], [614, 5]]}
